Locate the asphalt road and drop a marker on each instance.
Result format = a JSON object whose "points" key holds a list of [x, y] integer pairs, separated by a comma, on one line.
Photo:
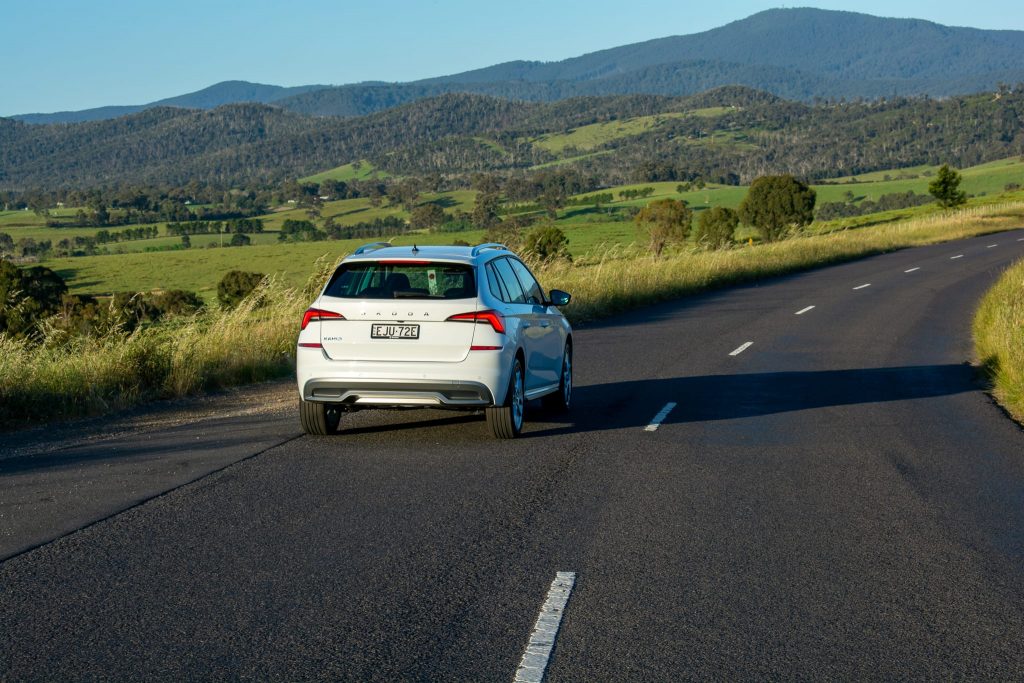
{"points": [[838, 500]]}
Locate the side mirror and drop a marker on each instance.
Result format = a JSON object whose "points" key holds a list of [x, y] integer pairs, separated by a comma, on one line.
{"points": [[560, 298]]}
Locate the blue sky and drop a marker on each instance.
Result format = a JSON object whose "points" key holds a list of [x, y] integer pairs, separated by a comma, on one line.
{"points": [[60, 54]]}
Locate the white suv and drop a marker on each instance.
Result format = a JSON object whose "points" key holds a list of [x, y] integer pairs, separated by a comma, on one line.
{"points": [[462, 328]]}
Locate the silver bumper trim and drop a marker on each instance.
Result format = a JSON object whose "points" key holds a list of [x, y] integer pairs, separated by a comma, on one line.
{"points": [[398, 394]]}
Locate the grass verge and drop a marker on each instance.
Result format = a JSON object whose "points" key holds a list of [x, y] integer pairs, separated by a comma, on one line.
{"points": [[220, 348], [619, 281], [999, 339]]}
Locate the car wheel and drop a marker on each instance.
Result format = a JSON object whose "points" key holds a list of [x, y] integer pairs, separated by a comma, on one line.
{"points": [[507, 420], [561, 400], [319, 418]]}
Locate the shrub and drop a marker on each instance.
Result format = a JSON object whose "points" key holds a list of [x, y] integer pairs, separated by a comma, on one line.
{"points": [[664, 222], [176, 302], [716, 226], [547, 243], [505, 232], [27, 296], [240, 240], [776, 204], [236, 285], [946, 188]]}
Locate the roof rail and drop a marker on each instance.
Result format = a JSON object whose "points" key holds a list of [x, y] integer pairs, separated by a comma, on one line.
{"points": [[370, 247], [490, 245]]}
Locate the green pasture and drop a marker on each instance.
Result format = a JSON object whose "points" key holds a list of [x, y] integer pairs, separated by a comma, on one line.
{"points": [[588, 137], [990, 178], [589, 230], [361, 210], [356, 170], [200, 269], [591, 136], [27, 218]]}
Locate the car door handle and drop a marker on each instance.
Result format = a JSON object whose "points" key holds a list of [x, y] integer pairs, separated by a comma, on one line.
{"points": [[525, 325], [545, 324]]}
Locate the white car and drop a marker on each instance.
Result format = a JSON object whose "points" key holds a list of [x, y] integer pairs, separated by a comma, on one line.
{"points": [[461, 328]]}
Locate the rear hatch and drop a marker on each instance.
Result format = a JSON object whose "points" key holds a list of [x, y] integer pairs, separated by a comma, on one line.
{"points": [[398, 310]]}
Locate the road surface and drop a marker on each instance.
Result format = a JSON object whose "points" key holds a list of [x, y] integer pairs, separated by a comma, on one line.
{"points": [[801, 479]]}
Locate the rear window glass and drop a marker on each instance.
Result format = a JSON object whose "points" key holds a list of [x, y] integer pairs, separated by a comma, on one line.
{"points": [[508, 279], [396, 280]]}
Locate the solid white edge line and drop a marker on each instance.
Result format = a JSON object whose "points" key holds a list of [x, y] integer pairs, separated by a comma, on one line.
{"points": [[803, 310], [868, 284], [951, 258], [534, 662], [912, 269], [660, 417], [741, 349]]}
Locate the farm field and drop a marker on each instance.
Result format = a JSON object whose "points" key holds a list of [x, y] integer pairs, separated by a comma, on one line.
{"points": [[357, 170], [590, 231], [588, 137], [200, 270], [585, 138]]}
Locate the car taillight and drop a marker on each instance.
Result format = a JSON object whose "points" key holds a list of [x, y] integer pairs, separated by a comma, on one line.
{"points": [[317, 314], [492, 318]]}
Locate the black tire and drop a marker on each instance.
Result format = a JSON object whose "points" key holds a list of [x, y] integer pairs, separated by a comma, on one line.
{"points": [[560, 401], [506, 420], [320, 419]]}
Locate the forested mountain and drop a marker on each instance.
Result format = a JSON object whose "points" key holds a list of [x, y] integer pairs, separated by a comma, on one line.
{"points": [[729, 134], [227, 92], [843, 45], [799, 54]]}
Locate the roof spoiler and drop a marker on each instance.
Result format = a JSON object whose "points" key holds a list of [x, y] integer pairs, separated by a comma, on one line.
{"points": [[490, 245], [371, 247]]}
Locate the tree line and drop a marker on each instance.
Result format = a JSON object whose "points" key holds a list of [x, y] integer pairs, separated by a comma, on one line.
{"points": [[455, 136]]}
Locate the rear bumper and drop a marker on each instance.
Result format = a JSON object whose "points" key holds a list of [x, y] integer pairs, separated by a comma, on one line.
{"points": [[393, 394], [471, 383]]}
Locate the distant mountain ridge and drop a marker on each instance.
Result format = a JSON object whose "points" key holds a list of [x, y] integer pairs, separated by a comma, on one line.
{"points": [[226, 92], [799, 54], [730, 134]]}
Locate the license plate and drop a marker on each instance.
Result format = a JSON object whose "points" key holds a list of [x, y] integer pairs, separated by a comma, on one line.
{"points": [[395, 331]]}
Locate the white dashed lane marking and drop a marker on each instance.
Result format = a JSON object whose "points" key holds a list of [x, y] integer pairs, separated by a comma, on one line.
{"points": [[804, 310], [660, 417], [991, 245], [867, 284], [912, 270], [742, 348], [953, 258], [534, 662]]}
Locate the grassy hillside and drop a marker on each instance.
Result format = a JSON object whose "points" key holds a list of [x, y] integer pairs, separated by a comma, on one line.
{"points": [[357, 170], [590, 231], [586, 138]]}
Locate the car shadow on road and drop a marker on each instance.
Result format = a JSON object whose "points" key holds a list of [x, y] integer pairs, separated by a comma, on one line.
{"points": [[705, 398]]}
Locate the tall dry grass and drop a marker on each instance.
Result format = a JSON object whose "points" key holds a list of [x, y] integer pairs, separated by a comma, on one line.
{"points": [[70, 376], [256, 341], [623, 278], [999, 339]]}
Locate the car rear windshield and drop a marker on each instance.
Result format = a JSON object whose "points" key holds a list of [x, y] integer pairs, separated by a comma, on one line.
{"points": [[400, 280]]}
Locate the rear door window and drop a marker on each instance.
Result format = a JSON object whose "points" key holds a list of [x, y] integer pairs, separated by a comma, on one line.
{"points": [[508, 279], [398, 280], [494, 282], [534, 294]]}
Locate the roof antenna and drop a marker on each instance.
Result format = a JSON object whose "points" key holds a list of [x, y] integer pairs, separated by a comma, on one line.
{"points": [[415, 250]]}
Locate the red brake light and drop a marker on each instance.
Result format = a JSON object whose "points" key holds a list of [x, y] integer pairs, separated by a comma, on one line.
{"points": [[403, 262], [317, 314], [492, 318]]}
